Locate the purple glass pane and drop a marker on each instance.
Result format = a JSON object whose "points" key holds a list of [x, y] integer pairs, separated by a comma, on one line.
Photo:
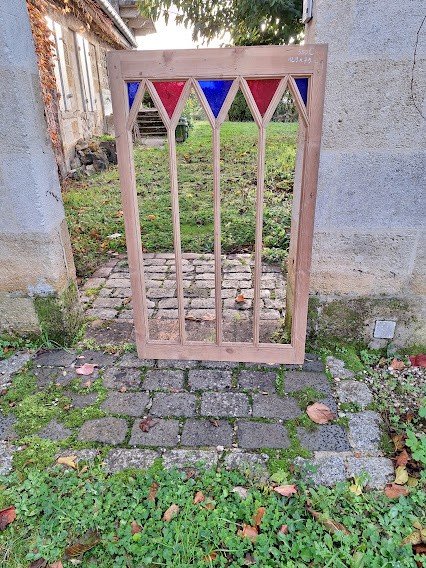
{"points": [[302, 85], [132, 89], [215, 93]]}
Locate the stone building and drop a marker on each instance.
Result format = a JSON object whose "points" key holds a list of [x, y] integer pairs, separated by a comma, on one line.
{"points": [[82, 32]]}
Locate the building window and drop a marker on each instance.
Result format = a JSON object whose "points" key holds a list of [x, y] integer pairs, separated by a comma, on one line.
{"points": [[87, 85], [61, 70]]}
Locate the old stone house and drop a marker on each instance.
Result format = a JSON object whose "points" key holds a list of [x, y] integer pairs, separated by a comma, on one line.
{"points": [[82, 32]]}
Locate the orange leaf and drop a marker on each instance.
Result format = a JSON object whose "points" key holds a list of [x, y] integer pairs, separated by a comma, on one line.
{"points": [[402, 459], [153, 491], [86, 369], [171, 512], [285, 490], [283, 529], [135, 527], [68, 461], [248, 532], [151, 217], [319, 413], [398, 442], [147, 423], [397, 365], [210, 557], [257, 517], [199, 497], [7, 516], [209, 506], [79, 548], [57, 564], [394, 491], [240, 299], [418, 360]]}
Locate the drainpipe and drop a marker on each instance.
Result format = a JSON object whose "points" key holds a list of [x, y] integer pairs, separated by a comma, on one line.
{"points": [[109, 10]]}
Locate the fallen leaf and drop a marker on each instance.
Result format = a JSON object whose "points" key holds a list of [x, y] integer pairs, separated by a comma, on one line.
{"points": [[248, 532], [249, 559], [39, 563], [171, 512], [87, 384], [199, 497], [210, 557], [153, 491], [190, 472], [241, 491], [320, 413], [398, 442], [394, 491], [285, 490], [397, 365], [7, 516], [258, 516], [414, 538], [329, 524], [147, 423], [68, 461], [283, 529], [402, 459], [151, 217], [209, 506], [412, 481], [419, 549], [79, 548], [356, 488], [122, 389], [418, 360], [86, 369], [214, 423], [135, 527], [57, 564], [240, 299], [401, 475]]}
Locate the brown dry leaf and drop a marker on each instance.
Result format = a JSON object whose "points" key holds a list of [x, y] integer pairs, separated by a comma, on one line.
{"points": [[153, 491], [320, 413], [285, 490], [414, 538], [283, 529], [87, 384], [241, 491], [412, 481], [418, 360], [151, 217], [249, 559], [401, 475], [57, 564], [7, 516], [329, 524], [240, 299], [258, 516], [171, 512], [79, 548], [214, 423], [210, 557], [397, 365], [86, 369], [135, 527], [122, 389], [190, 472], [398, 442], [402, 459], [209, 506], [419, 549], [39, 563], [147, 423], [248, 532], [394, 491], [68, 461], [199, 497]]}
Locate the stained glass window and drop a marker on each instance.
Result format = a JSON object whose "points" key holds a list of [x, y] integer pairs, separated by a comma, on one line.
{"points": [[302, 85], [215, 93], [169, 93], [132, 89], [263, 90]]}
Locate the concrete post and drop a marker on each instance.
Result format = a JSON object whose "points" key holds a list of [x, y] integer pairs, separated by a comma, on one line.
{"points": [[37, 275], [369, 243]]}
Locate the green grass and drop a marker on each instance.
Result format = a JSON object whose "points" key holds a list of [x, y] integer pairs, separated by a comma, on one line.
{"points": [[94, 213]]}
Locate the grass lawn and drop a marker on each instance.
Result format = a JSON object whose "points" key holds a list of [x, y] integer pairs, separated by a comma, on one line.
{"points": [[93, 206]]}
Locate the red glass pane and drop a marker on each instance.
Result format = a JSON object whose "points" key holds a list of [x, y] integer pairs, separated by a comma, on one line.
{"points": [[263, 90], [169, 93]]}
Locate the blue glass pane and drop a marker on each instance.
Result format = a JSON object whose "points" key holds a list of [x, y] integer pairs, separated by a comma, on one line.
{"points": [[132, 90], [302, 85], [215, 93]]}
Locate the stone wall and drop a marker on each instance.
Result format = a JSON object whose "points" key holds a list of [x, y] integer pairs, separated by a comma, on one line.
{"points": [[369, 243], [37, 268]]}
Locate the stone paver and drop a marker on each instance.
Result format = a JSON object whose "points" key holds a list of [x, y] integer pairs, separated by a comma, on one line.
{"points": [[131, 360], [98, 358], [300, 380], [355, 392], [326, 438], [189, 458], [127, 403], [87, 455], [173, 364], [173, 404], [207, 433], [55, 431], [120, 459], [337, 368], [165, 433], [225, 404], [274, 406], [209, 379], [53, 375], [12, 365], [163, 380], [247, 463], [55, 358], [81, 400], [379, 470], [324, 469], [364, 431], [106, 430], [119, 378], [6, 457], [257, 380], [255, 435]]}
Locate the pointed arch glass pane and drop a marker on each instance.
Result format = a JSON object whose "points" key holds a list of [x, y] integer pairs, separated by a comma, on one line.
{"points": [[302, 84], [169, 93], [263, 90], [132, 89], [215, 93]]}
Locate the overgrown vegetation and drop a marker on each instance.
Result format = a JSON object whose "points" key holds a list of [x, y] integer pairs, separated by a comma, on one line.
{"points": [[95, 217]]}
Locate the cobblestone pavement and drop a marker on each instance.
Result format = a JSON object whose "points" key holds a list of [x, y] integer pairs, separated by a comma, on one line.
{"points": [[107, 296], [217, 412]]}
